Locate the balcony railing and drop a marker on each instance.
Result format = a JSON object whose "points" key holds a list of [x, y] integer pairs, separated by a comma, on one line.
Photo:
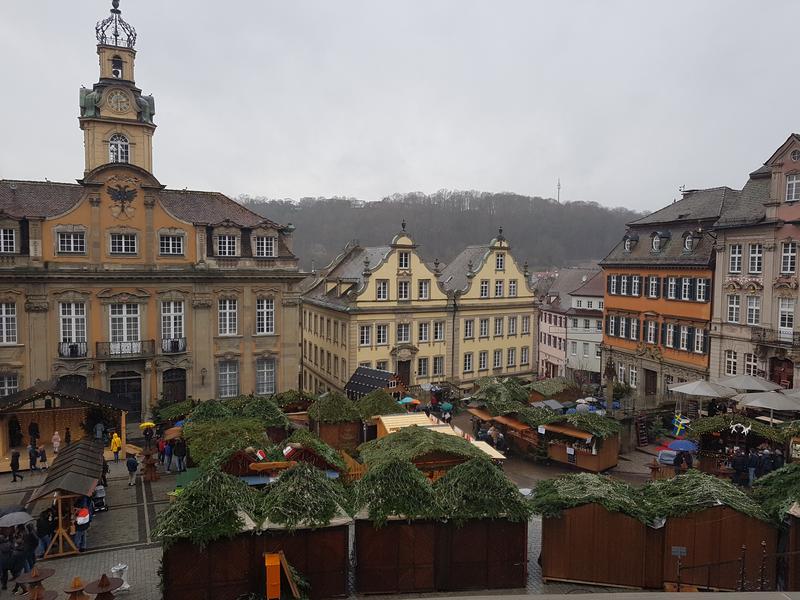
{"points": [[775, 337], [137, 349], [73, 349], [173, 345]]}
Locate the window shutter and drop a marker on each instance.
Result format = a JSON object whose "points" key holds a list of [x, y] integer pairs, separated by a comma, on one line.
{"points": [[658, 286], [617, 323], [608, 325], [664, 334], [694, 289], [657, 333], [608, 283], [641, 285], [664, 283], [690, 343], [708, 290], [639, 329], [705, 341]]}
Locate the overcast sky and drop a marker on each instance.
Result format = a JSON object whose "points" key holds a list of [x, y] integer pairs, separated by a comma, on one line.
{"points": [[624, 101]]}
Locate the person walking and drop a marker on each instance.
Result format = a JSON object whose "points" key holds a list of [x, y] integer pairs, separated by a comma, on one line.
{"points": [[739, 468], [43, 457], [44, 529], [160, 446], [17, 564], [33, 432], [33, 455], [6, 551], [180, 454], [30, 541], [168, 455], [752, 465], [765, 463], [56, 441], [67, 436], [677, 463], [116, 446], [82, 518], [132, 465], [15, 465]]}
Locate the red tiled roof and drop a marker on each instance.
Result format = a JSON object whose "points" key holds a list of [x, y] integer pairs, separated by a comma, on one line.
{"points": [[37, 198]]}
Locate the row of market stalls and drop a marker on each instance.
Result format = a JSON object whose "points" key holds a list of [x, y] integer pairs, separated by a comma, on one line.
{"points": [[415, 509], [695, 530]]}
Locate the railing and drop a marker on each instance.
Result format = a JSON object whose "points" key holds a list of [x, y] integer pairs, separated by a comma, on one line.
{"points": [[776, 337], [134, 349], [73, 349], [173, 345]]}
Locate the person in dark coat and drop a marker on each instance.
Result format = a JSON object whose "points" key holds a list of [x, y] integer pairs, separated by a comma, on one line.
{"points": [[677, 463], [17, 564], [33, 456], [739, 468], [180, 454], [6, 550], [777, 459], [764, 463], [15, 465], [30, 542], [67, 437], [752, 466], [33, 431], [45, 527]]}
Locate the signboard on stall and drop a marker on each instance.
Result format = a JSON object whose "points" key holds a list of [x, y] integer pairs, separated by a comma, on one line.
{"points": [[794, 449]]}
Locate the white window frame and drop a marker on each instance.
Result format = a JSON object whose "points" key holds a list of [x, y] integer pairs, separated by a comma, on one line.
{"points": [[670, 336], [612, 289], [227, 245], [672, 288], [266, 246], [633, 375], [124, 327], [633, 328], [702, 290], [652, 287], [469, 329], [438, 366], [423, 331], [573, 348], [72, 321], [265, 376], [734, 308], [403, 290], [751, 366], [623, 285], [497, 359], [71, 242], [684, 337], [498, 288], [511, 358], [468, 362], [735, 258], [524, 356], [227, 316], [483, 327], [123, 243], [789, 256], [403, 333], [265, 316], [755, 262], [172, 319], [636, 283], [170, 244], [786, 308], [9, 384], [404, 260], [512, 325], [499, 325], [422, 366], [484, 288], [731, 362], [424, 289], [526, 325], [686, 288], [753, 310], [438, 331], [381, 334], [792, 188], [382, 289], [651, 332], [364, 335], [119, 149], [500, 261], [483, 360], [512, 288], [699, 340], [228, 378]]}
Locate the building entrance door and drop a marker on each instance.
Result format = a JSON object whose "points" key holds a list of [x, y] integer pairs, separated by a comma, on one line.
{"points": [[127, 387], [650, 382], [174, 385], [781, 371], [404, 371]]}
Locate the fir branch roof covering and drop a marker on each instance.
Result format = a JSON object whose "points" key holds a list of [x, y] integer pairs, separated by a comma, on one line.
{"points": [[695, 491], [477, 489], [333, 407], [176, 410], [396, 488], [309, 440], [302, 497], [260, 407], [292, 397], [719, 423], [211, 507], [211, 410], [378, 402], [411, 443], [205, 438], [778, 491], [552, 496], [550, 387], [597, 425]]}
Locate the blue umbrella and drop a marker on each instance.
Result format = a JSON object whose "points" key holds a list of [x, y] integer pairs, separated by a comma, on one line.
{"points": [[406, 400], [180, 423], [447, 406], [683, 446]]}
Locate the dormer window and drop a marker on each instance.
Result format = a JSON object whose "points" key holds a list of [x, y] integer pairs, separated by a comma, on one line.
{"points": [[499, 261], [630, 241], [792, 188], [795, 155], [8, 241], [118, 149], [688, 242], [655, 243], [267, 246], [116, 67], [226, 245]]}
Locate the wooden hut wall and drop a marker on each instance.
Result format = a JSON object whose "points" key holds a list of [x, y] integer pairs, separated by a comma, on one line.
{"points": [[716, 535], [277, 434], [49, 421], [480, 555], [396, 558], [227, 569], [607, 455], [593, 545], [793, 560], [341, 436]]}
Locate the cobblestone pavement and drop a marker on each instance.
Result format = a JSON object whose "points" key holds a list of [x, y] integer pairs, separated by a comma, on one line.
{"points": [[119, 535]]}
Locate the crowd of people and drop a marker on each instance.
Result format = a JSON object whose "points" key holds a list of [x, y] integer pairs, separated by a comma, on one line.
{"points": [[757, 462], [18, 553]]}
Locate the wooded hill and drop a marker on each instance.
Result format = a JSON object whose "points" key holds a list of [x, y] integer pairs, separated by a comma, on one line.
{"points": [[540, 230]]}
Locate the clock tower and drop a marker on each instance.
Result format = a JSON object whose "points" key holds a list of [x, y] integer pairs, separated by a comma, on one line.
{"points": [[116, 119]]}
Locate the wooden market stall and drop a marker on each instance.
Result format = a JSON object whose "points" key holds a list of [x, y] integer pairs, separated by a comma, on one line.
{"points": [[718, 436], [336, 420], [73, 475], [55, 405], [582, 449]]}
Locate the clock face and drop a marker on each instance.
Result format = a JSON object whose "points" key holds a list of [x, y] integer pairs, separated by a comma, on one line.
{"points": [[119, 101]]}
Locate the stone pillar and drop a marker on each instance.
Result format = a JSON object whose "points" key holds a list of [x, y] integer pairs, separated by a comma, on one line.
{"points": [[203, 328], [95, 233], [149, 232], [36, 307]]}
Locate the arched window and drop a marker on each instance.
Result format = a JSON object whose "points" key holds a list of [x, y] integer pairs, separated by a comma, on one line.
{"points": [[688, 243], [656, 243], [118, 149]]}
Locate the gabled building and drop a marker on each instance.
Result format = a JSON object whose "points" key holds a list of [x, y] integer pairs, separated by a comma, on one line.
{"points": [[121, 284], [585, 330], [658, 295], [385, 308], [756, 285], [555, 306], [494, 313]]}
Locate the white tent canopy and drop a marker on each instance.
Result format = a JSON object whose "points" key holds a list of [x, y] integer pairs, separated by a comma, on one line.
{"points": [[749, 383], [770, 400], [703, 388]]}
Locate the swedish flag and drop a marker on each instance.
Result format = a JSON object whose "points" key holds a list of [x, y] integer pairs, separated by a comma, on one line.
{"points": [[677, 425]]}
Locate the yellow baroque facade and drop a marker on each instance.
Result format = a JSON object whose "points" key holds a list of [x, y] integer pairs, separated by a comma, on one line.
{"points": [[384, 307], [122, 284]]}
